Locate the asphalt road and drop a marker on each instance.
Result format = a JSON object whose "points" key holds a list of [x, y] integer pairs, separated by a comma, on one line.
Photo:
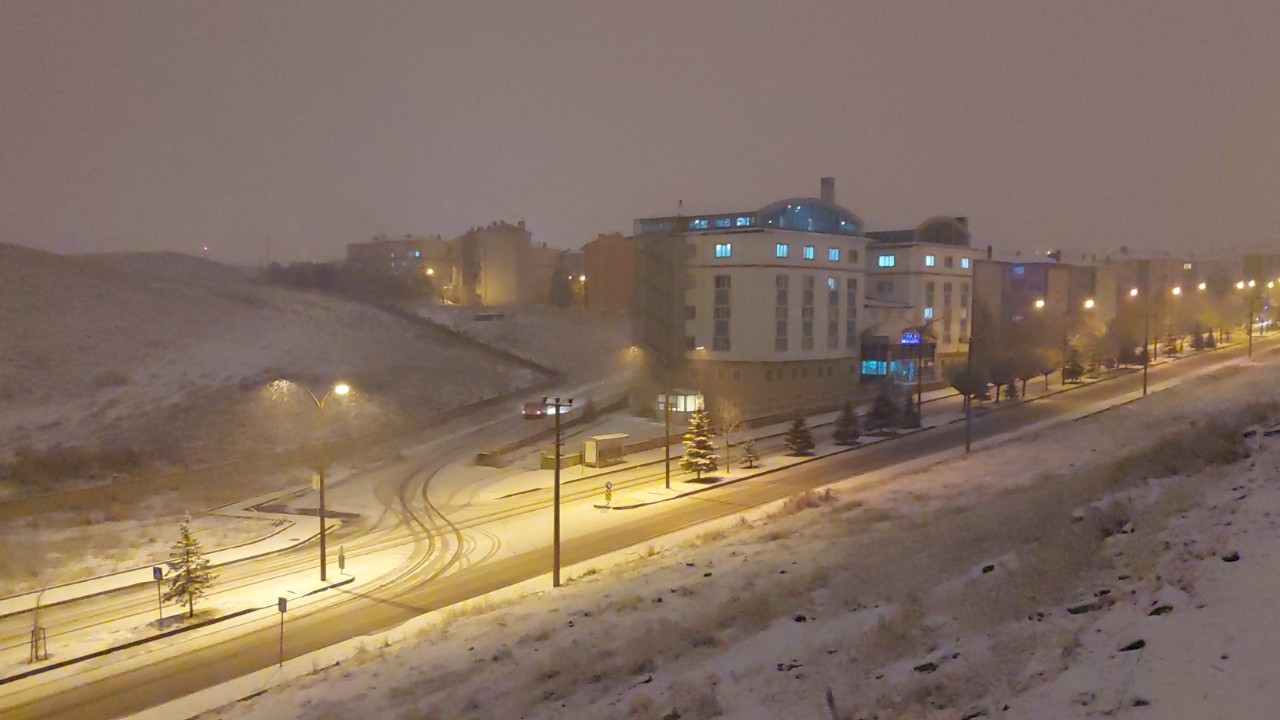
{"points": [[107, 690]]}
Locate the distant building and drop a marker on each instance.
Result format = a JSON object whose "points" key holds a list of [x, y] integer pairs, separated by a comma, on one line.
{"points": [[918, 280], [611, 264], [499, 265], [760, 308], [409, 255]]}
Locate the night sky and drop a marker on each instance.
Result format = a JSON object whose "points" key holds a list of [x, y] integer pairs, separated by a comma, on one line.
{"points": [[1088, 125]]}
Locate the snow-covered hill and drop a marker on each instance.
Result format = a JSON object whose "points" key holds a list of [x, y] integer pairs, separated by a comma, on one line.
{"points": [[168, 354]]}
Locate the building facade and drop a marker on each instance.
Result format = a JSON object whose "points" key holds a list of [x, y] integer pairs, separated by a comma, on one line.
{"points": [[920, 280], [759, 308]]}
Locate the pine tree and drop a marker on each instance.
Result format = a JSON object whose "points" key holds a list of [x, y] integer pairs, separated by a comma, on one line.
{"points": [[799, 439], [848, 428], [189, 575], [749, 454], [1209, 341], [885, 410], [699, 447]]}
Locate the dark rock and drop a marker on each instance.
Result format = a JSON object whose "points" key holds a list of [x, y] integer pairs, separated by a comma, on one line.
{"points": [[1249, 433], [1085, 607], [706, 574], [788, 667], [658, 599], [926, 667], [673, 715], [1232, 556], [1139, 702], [782, 572], [1135, 645], [978, 713], [988, 568], [1161, 610], [800, 618]]}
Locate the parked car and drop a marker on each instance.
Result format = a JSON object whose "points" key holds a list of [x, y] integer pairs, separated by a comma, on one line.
{"points": [[535, 409]]}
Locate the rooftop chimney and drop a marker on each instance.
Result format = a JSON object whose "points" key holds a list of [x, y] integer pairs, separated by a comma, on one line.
{"points": [[828, 189]]}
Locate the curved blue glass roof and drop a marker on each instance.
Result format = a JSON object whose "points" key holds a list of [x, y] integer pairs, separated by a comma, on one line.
{"points": [[809, 215]]}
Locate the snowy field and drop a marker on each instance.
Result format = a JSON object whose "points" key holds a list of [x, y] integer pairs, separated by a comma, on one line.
{"points": [[1122, 564]]}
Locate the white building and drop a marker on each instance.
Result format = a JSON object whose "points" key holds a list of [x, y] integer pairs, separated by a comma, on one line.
{"points": [[919, 280], [770, 304]]}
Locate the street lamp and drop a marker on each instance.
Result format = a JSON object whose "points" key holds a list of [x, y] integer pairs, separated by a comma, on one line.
{"points": [[340, 389], [559, 406], [1249, 321]]}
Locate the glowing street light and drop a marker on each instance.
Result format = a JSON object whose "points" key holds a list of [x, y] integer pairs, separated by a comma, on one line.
{"points": [[1039, 303], [278, 388], [1177, 290], [1088, 304], [1202, 286]]}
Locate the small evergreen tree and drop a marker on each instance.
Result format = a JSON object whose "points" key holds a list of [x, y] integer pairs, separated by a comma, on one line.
{"points": [[848, 428], [885, 409], [189, 575], [749, 454], [1209, 341], [699, 447], [799, 440], [1011, 391]]}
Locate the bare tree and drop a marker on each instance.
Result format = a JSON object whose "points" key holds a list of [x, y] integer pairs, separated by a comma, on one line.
{"points": [[731, 418]]}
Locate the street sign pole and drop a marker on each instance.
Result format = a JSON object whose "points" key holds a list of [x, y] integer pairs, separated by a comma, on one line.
{"points": [[608, 493], [282, 604], [158, 574]]}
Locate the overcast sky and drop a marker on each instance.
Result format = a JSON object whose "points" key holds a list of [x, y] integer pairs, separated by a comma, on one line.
{"points": [[171, 125]]}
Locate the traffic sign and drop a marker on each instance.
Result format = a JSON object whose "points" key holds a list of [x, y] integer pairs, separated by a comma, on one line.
{"points": [[608, 493], [282, 604], [156, 573]]}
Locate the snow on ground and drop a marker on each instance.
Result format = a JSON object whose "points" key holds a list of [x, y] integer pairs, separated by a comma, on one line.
{"points": [[1003, 584], [166, 354], [580, 343]]}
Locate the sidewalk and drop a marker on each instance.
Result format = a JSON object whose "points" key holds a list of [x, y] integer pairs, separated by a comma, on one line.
{"points": [[292, 530]]}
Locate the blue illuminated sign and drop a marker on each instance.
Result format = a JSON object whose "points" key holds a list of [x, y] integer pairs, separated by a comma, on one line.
{"points": [[910, 338]]}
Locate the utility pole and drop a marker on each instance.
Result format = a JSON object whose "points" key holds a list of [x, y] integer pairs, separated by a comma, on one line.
{"points": [[1250, 323], [666, 433], [555, 523], [320, 487], [973, 336], [1146, 335]]}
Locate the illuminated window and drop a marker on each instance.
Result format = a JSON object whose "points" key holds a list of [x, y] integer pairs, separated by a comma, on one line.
{"points": [[699, 224], [928, 313], [724, 250], [964, 263], [930, 260], [1019, 270], [742, 222], [887, 260], [833, 254], [724, 222], [782, 250], [808, 252]]}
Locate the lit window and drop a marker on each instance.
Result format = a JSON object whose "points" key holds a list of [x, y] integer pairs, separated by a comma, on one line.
{"points": [[930, 260], [928, 313], [833, 254], [724, 250], [724, 222], [1019, 270], [808, 252], [887, 260], [782, 250], [831, 283], [964, 263], [417, 253], [699, 224], [742, 222]]}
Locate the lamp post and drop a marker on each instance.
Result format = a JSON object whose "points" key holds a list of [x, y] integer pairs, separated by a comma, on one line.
{"points": [[1242, 285], [555, 523], [973, 335], [340, 389]]}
